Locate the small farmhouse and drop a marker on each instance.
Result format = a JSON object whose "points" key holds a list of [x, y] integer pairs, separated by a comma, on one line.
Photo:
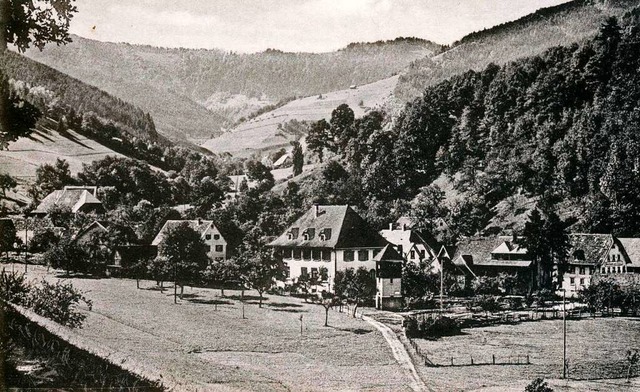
{"points": [[96, 227], [75, 198], [332, 237], [587, 252], [216, 244]]}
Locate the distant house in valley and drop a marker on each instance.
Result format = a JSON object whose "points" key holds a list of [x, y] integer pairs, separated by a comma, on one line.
{"points": [[410, 245], [75, 198], [457, 267], [389, 279], [217, 247], [84, 236], [127, 256], [283, 161], [331, 236], [587, 252]]}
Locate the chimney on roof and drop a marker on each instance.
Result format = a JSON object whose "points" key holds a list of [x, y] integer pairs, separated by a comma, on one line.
{"points": [[404, 226], [199, 221], [391, 226]]}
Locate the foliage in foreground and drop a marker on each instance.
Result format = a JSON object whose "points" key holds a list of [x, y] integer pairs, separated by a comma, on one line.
{"points": [[538, 385], [431, 328], [56, 301]]}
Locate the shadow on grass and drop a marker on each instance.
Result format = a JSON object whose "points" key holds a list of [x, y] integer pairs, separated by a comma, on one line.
{"points": [[209, 301], [357, 331], [283, 305], [290, 310], [246, 298], [78, 275], [157, 288]]}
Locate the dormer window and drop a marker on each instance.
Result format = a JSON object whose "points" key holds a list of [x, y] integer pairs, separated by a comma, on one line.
{"points": [[308, 234], [293, 233], [325, 234]]}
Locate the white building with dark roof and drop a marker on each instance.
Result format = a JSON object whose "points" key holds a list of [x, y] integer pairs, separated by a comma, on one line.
{"points": [[331, 237], [410, 245], [217, 248]]}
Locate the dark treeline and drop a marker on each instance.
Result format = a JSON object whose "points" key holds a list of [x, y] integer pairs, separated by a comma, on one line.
{"points": [[81, 97], [561, 126]]}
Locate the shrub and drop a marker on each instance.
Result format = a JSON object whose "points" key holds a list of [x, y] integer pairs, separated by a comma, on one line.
{"points": [[58, 302], [431, 328], [14, 287], [538, 385]]}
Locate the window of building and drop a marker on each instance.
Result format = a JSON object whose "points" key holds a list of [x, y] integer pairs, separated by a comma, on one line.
{"points": [[216, 236], [372, 273], [348, 255], [316, 254], [363, 255], [207, 237], [400, 250], [581, 270], [391, 280], [326, 255], [308, 234], [219, 248], [422, 254], [287, 270], [325, 235], [306, 254], [303, 271], [208, 248], [413, 254], [297, 254], [582, 281], [572, 280]]}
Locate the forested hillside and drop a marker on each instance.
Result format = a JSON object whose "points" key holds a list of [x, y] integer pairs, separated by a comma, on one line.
{"points": [[196, 92], [562, 129], [531, 35], [80, 97]]}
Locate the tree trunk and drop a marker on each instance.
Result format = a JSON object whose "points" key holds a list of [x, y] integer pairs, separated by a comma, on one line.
{"points": [[5, 14], [355, 309], [175, 292], [137, 283], [326, 317], [222, 292], [181, 290], [260, 302]]}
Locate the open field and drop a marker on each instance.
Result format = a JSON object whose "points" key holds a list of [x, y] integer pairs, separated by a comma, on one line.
{"points": [[22, 157], [204, 341], [595, 349], [262, 132]]}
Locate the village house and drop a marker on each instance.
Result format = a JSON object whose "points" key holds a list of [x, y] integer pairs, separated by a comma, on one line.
{"points": [[332, 237], [410, 245], [586, 254], [389, 279], [75, 198], [84, 236], [217, 247]]}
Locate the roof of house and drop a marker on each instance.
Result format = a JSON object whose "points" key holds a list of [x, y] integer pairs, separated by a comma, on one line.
{"points": [[341, 225], [406, 238], [631, 247], [388, 253], [589, 248], [73, 198], [503, 263], [198, 225], [281, 161], [479, 248], [102, 225]]}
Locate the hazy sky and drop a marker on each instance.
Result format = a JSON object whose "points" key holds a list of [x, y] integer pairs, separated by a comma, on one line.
{"points": [[291, 25]]}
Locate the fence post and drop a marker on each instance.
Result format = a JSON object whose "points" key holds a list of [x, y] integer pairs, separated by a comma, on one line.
{"points": [[471, 359], [493, 357], [451, 361], [528, 359]]}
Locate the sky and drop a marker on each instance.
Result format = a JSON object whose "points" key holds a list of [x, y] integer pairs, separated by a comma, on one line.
{"points": [[289, 25]]}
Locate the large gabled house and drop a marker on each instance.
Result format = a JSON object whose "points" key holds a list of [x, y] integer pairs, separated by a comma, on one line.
{"points": [[334, 237], [75, 198], [586, 254], [217, 247]]}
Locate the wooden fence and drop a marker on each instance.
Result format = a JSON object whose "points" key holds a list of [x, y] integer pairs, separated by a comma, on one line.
{"points": [[514, 359]]}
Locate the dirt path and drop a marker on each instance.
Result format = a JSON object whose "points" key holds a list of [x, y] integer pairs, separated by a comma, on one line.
{"points": [[400, 354]]}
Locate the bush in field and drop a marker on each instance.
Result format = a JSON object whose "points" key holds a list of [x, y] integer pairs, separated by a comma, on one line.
{"points": [[67, 256], [43, 240], [159, 269], [431, 328], [58, 302], [488, 303], [14, 287], [538, 385]]}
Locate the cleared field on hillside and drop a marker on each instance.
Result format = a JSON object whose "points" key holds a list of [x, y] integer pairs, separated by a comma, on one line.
{"points": [[22, 157], [204, 341], [262, 132], [595, 349]]}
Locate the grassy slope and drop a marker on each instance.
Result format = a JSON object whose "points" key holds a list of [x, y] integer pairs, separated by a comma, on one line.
{"points": [[184, 83], [261, 132], [531, 35], [215, 348]]}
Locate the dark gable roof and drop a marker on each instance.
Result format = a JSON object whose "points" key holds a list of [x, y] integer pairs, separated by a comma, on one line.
{"points": [[479, 248], [199, 226], [388, 253], [594, 247], [347, 230], [74, 198]]}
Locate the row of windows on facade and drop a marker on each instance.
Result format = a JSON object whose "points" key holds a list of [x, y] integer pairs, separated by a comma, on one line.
{"points": [[309, 234], [324, 254], [215, 237], [613, 270], [501, 256], [412, 253], [572, 280], [304, 271]]}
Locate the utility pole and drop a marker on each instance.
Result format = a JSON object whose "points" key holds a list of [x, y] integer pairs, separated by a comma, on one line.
{"points": [[564, 334], [441, 285], [26, 241]]}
